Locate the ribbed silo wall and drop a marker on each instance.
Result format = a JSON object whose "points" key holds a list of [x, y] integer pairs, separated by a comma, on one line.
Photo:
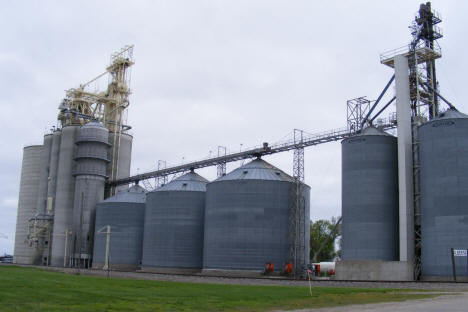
{"points": [[126, 240], [44, 174], [370, 198], [91, 164], [64, 198], [247, 224], [174, 229], [444, 195], [27, 201], [125, 157]]}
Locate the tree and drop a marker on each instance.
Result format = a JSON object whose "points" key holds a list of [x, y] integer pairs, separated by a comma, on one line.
{"points": [[323, 232]]}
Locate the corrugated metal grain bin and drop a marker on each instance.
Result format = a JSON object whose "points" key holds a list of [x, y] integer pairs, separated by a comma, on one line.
{"points": [[443, 156], [247, 219], [174, 224], [124, 213], [370, 196]]}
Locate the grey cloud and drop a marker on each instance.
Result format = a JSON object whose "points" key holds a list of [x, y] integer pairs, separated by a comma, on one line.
{"points": [[211, 73]]}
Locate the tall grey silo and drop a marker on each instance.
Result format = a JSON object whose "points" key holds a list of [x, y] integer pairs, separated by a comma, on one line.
{"points": [[44, 175], [91, 164], [370, 196], [51, 187], [443, 153], [64, 197], [27, 201], [174, 224], [42, 240], [124, 159], [125, 213], [53, 168], [247, 219]]}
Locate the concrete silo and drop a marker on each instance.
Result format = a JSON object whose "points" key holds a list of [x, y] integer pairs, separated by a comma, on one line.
{"points": [[41, 224], [124, 213], [53, 168], [27, 202], [370, 196], [64, 197], [44, 175], [91, 165], [443, 153], [174, 225], [123, 161], [247, 219]]}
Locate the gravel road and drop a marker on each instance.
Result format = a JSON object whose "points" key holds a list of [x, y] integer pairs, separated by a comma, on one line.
{"points": [[455, 302]]}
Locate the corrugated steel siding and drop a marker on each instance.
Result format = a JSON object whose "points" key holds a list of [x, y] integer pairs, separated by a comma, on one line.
{"points": [[370, 197], [174, 229], [126, 241], [444, 193]]}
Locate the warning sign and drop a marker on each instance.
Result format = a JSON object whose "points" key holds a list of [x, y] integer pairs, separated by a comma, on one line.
{"points": [[460, 252]]}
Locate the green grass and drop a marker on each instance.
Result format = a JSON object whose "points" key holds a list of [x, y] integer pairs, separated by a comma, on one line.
{"points": [[29, 289]]}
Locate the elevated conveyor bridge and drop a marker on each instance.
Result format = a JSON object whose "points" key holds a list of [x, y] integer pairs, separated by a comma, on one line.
{"points": [[293, 144]]}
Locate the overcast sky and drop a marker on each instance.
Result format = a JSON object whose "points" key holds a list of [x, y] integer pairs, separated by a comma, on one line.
{"points": [[211, 73]]}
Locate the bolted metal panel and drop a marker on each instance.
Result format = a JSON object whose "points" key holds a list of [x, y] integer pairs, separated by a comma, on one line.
{"points": [[125, 157], [247, 218], [125, 214], [91, 163], [174, 224], [65, 191], [27, 201], [370, 196], [257, 169], [444, 193], [44, 174]]}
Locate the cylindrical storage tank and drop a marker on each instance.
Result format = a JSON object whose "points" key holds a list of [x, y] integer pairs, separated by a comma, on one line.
{"points": [[370, 196], [174, 224], [247, 219], [51, 187], [42, 239], [91, 165], [443, 154], [27, 201], [64, 197], [125, 156], [44, 175], [52, 179], [125, 214]]}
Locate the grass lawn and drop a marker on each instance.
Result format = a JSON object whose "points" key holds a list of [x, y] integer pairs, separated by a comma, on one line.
{"points": [[29, 289]]}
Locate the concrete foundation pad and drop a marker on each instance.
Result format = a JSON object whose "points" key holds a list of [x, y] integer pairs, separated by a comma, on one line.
{"points": [[116, 267], [232, 273], [373, 270], [433, 278], [170, 270]]}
